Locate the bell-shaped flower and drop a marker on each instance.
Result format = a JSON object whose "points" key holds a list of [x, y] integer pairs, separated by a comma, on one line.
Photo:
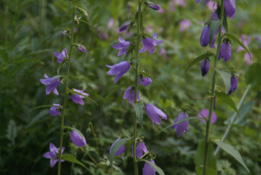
{"points": [[233, 84], [148, 169], [183, 126], [204, 114], [206, 1], [141, 149], [55, 110], [149, 43], [77, 138], [120, 150], [81, 48], [204, 38], [53, 154], [130, 94], [60, 56], [125, 26], [51, 84], [123, 46], [155, 113], [246, 40], [230, 8], [184, 24], [152, 5], [144, 81], [205, 65], [119, 70], [78, 96], [225, 51]]}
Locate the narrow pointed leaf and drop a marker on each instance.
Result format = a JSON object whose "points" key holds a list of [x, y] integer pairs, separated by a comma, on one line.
{"points": [[226, 99], [253, 74], [158, 169], [72, 158], [213, 28], [199, 58], [138, 107], [226, 76]]}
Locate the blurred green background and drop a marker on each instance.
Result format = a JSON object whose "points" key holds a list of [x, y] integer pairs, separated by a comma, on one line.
{"points": [[31, 30]]}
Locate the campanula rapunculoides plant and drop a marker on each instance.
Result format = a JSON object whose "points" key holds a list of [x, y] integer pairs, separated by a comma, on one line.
{"points": [[132, 94]]}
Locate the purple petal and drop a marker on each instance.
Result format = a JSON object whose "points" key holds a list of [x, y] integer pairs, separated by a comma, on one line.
{"points": [[183, 126], [152, 113], [120, 150], [148, 169], [205, 113], [78, 139], [53, 162], [145, 81]]}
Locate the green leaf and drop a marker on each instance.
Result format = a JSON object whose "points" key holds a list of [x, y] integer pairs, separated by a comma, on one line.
{"points": [[158, 169], [138, 107], [72, 158], [116, 147], [11, 131], [243, 111], [213, 28], [226, 99], [82, 11], [253, 74], [199, 159], [225, 22], [235, 39], [233, 152], [199, 58], [226, 78]]}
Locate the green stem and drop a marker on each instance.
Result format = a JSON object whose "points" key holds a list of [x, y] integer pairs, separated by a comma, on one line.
{"points": [[66, 93], [136, 90], [213, 90]]}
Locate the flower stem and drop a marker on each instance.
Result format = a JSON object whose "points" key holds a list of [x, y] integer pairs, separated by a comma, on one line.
{"points": [[136, 90], [213, 90], [66, 90]]}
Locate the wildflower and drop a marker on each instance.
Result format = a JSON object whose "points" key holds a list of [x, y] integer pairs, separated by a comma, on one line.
{"points": [[124, 26], [155, 113], [122, 46], [60, 56], [51, 84], [119, 70], [110, 24], [206, 1], [54, 110], [152, 5], [233, 84], [212, 5], [183, 126], [120, 150], [52, 155], [225, 51], [246, 40], [149, 43], [140, 149], [248, 57], [205, 65], [204, 38], [145, 81], [181, 3], [205, 113], [148, 169], [184, 24], [77, 98], [130, 94], [230, 8], [81, 48], [77, 138]]}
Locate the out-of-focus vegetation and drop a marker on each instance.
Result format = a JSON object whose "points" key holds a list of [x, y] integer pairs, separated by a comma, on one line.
{"points": [[32, 30]]}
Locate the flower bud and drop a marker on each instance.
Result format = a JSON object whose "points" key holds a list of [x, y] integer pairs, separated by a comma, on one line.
{"points": [[233, 84], [205, 65], [77, 138]]}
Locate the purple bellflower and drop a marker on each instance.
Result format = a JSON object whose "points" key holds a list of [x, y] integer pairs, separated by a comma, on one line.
{"points": [[184, 24], [140, 149], [124, 26], [233, 84], [205, 36], [183, 126], [130, 94], [205, 65], [53, 154], [77, 138], [149, 43], [122, 46], [51, 84], [110, 24], [155, 114], [148, 169], [225, 51], [81, 48], [206, 1], [152, 5], [118, 69], [55, 110], [76, 98], [205, 113], [230, 8], [120, 150], [144, 81], [60, 56]]}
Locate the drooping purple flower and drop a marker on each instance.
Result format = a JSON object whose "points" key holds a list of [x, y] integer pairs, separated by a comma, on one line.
{"points": [[81, 48], [110, 24], [77, 98], [205, 113], [51, 84], [118, 69], [155, 113], [124, 26], [145, 81], [149, 43], [233, 84], [120, 150], [183, 126], [230, 8], [148, 169], [53, 154], [60, 56], [205, 65], [152, 5], [55, 110], [212, 5], [225, 51], [206, 1], [77, 138], [140, 149], [246, 40], [122, 46], [205, 36], [214, 16], [130, 94], [248, 58], [184, 24]]}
